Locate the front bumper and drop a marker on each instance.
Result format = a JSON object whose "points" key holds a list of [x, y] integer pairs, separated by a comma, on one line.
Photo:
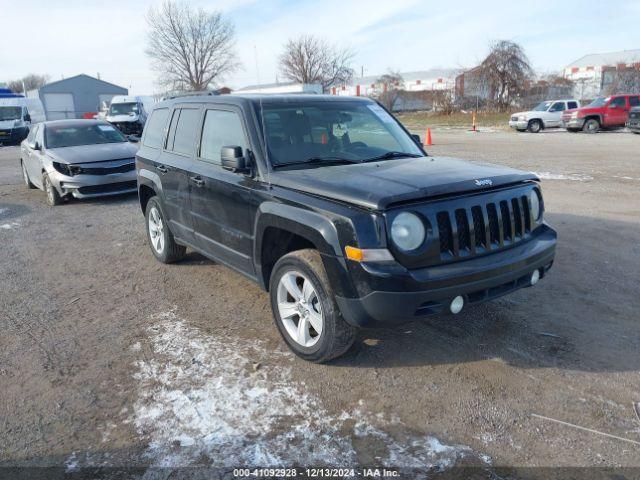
{"points": [[633, 125], [399, 295], [519, 124], [14, 135], [574, 123], [89, 186]]}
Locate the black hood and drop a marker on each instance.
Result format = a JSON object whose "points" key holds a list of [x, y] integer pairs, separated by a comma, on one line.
{"points": [[377, 185]]}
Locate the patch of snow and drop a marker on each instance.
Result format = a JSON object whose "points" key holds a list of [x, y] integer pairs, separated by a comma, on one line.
{"points": [[9, 226], [576, 177], [200, 397]]}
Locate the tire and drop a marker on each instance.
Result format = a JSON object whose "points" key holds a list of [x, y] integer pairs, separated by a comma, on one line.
{"points": [[592, 125], [535, 126], [53, 197], [336, 336], [161, 241], [25, 176]]}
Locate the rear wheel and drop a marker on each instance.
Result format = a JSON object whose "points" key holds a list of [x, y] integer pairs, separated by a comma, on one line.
{"points": [[305, 310], [161, 240], [534, 126], [592, 125], [53, 197], [25, 176]]}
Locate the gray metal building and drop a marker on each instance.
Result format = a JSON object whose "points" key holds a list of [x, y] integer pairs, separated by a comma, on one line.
{"points": [[75, 97]]}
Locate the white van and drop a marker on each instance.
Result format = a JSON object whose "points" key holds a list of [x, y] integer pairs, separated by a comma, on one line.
{"points": [[17, 114], [129, 113]]}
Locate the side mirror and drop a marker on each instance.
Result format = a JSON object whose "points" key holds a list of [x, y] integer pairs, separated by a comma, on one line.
{"points": [[417, 139], [232, 159], [27, 117], [37, 146], [133, 138]]}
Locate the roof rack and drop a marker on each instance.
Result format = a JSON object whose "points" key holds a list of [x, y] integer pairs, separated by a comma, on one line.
{"points": [[192, 94]]}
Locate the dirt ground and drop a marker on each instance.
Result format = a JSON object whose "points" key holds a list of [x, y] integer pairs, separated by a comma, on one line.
{"points": [[108, 358]]}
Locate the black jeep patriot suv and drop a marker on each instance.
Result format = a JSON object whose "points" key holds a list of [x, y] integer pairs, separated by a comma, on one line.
{"points": [[334, 208]]}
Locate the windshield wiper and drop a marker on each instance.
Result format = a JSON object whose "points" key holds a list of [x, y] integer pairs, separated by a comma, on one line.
{"points": [[318, 160], [390, 155]]}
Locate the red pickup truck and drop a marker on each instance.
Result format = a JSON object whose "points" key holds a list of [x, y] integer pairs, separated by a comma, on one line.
{"points": [[603, 112]]}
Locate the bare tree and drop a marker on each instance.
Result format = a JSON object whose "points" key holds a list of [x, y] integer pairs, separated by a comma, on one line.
{"points": [[31, 82], [390, 85], [191, 48], [505, 72], [621, 80], [309, 59]]}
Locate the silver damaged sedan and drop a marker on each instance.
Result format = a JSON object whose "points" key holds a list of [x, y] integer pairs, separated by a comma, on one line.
{"points": [[79, 158]]}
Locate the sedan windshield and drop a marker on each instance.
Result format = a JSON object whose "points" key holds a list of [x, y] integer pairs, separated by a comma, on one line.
{"points": [[321, 132], [599, 102], [58, 136], [10, 113], [123, 108], [542, 107]]}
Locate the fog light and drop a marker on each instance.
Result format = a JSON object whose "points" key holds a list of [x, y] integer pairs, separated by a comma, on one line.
{"points": [[456, 304], [535, 276]]}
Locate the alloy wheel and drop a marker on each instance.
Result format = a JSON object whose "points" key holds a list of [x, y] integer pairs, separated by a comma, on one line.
{"points": [[299, 308], [156, 230]]}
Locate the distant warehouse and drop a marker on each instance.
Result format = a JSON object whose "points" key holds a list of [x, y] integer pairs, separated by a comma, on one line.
{"points": [[75, 97]]}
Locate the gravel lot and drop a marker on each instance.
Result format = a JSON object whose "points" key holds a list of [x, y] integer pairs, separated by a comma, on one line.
{"points": [[108, 358]]}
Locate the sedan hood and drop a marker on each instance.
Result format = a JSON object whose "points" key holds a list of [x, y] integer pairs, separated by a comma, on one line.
{"points": [[377, 185], [93, 153]]}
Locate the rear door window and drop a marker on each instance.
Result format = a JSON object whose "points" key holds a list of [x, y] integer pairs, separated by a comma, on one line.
{"points": [[573, 104], [222, 128], [154, 129], [185, 131], [634, 101]]}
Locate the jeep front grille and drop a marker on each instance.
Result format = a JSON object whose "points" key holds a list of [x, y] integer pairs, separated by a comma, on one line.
{"points": [[477, 229]]}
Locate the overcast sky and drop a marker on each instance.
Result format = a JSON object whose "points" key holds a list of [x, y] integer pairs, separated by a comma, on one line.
{"points": [[66, 37]]}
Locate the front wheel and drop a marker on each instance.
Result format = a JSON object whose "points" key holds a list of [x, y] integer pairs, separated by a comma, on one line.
{"points": [[591, 126], [535, 126], [305, 310], [53, 197], [161, 240]]}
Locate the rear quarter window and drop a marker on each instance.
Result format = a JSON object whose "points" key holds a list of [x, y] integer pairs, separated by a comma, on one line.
{"points": [[634, 101], [573, 105], [154, 129]]}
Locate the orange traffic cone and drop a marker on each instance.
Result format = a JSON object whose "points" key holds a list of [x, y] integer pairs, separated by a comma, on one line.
{"points": [[427, 138]]}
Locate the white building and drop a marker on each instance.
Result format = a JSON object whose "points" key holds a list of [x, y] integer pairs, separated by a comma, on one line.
{"points": [[420, 81], [587, 72], [282, 87]]}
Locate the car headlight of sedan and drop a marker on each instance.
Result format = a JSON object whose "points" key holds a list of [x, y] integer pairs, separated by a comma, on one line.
{"points": [[63, 168], [574, 115], [407, 231], [535, 205], [522, 118]]}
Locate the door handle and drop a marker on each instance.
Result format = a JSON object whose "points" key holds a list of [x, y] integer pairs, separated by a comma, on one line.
{"points": [[197, 180], [162, 168]]}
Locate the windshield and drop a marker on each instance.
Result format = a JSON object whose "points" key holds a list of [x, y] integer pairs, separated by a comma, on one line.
{"points": [[10, 113], [325, 132], [58, 136], [123, 108], [599, 102], [542, 107]]}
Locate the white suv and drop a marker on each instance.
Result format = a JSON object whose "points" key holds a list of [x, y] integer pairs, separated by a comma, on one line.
{"points": [[547, 114]]}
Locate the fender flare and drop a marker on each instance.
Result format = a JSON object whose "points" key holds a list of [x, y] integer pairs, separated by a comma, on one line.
{"points": [[316, 228], [152, 180]]}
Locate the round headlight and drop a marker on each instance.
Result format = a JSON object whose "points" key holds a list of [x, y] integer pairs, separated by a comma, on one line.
{"points": [[534, 203], [407, 231]]}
